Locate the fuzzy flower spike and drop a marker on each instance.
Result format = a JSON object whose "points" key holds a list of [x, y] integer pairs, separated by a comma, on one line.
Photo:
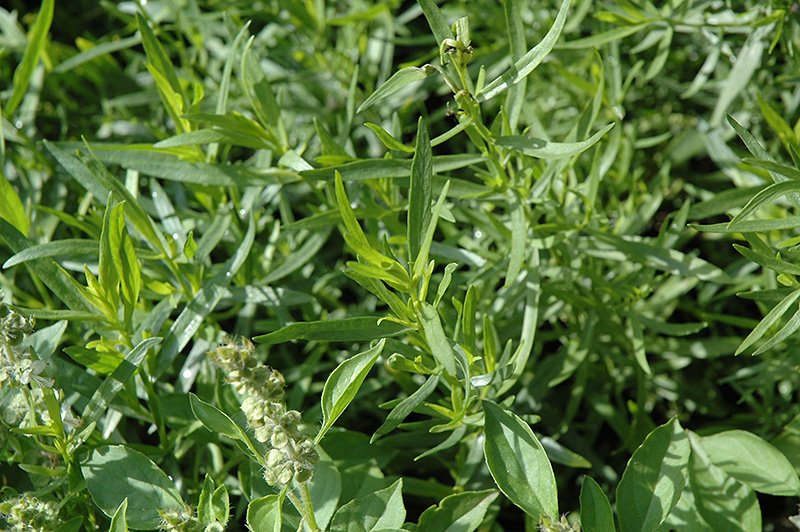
{"points": [[293, 455]]}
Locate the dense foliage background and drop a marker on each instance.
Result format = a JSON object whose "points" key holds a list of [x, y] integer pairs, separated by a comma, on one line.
{"points": [[612, 241]]}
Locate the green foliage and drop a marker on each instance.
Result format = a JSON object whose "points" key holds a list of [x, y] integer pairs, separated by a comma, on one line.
{"points": [[502, 256]]}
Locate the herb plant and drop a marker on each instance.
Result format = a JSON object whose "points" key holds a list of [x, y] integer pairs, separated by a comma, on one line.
{"points": [[399, 266]]}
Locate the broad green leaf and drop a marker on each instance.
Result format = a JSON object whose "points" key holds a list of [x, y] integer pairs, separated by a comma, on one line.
{"points": [[11, 208], [722, 501], [99, 361], [419, 193], [752, 461], [518, 462], [460, 512], [653, 479], [119, 522], [215, 420], [356, 329], [343, 384], [265, 515], [205, 512], [37, 40], [69, 247], [527, 63], [431, 325], [406, 406], [400, 79], [114, 473], [388, 140], [325, 488], [596, 514], [220, 504], [205, 301], [377, 511], [544, 149], [113, 384]]}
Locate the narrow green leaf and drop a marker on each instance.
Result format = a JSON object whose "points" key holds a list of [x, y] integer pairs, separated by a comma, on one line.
{"points": [[519, 238], [119, 523], [107, 272], [439, 26], [768, 261], [517, 46], [460, 512], [400, 79], [544, 149], [598, 39], [114, 473], [11, 208], [37, 40], [518, 462], [653, 479], [777, 123], [357, 329], [527, 63], [406, 406], [751, 226], [96, 51], [377, 511], [343, 384], [100, 182], [265, 514], [50, 274], [425, 246], [419, 194], [752, 461], [764, 197], [530, 319], [192, 317], [787, 330], [559, 454], [596, 514], [437, 341], [722, 501], [748, 59], [388, 140], [70, 247], [113, 384]]}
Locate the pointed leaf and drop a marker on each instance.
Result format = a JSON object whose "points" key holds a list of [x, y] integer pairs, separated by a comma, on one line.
{"points": [[518, 462], [596, 514], [654, 479], [343, 384], [544, 149], [461, 512], [377, 511]]}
